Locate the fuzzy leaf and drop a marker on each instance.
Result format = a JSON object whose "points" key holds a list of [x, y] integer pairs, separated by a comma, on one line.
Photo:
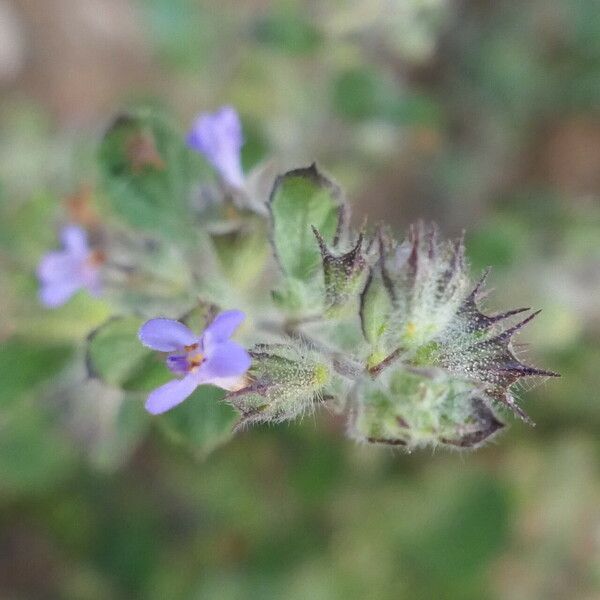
{"points": [[148, 173], [302, 199], [116, 356], [34, 453], [203, 422], [115, 423]]}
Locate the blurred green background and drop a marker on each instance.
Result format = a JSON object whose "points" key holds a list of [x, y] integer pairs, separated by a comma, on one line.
{"points": [[480, 114]]}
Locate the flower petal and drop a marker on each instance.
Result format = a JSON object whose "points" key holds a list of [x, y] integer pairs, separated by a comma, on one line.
{"points": [[74, 239], [222, 327], [225, 360], [58, 266], [177, 363], [170, 394], [231, 384], [218, 136], [56, 293], [165, 335]]}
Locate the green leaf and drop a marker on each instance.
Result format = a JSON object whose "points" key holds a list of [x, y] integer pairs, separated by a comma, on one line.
{"points": [[200, 316], [452, 547], [290, 31], [149, 173], [116, 356], [202, 422], [361, 93], [149, 373], [121, 433], [302, 199], [34, 454], [24, 366], [25, 231], [295, 298], [243, 254]]}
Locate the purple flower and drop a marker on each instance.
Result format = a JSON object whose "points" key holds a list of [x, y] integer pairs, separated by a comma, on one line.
{"points": [[63, 272], [218, 136], [211, 358]]}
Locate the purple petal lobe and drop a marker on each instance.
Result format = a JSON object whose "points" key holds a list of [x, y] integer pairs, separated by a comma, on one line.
{"points": [[74, 239], [56, 293], [58, 266], [177, 363], [230, 383], [225, 360], [218, 136], [223, 326], [61, 273], [165, 335], [170, 394]]}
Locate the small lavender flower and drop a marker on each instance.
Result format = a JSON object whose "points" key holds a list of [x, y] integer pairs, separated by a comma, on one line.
{"points": [[62, 273], [218, 136], [210, 358]]}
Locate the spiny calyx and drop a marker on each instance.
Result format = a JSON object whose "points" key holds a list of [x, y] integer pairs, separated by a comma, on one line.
{"points": [[342, 272], [431, 318], [285, 382], [417, 409]]}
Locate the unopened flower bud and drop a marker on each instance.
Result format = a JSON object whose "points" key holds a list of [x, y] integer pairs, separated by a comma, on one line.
{"points": [[286, 382]]}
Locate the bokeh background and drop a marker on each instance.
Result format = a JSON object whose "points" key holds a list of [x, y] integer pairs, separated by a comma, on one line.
{"points": [[480, 114]]}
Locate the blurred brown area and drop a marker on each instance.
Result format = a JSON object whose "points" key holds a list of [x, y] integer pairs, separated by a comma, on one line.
{"points": [[76, 57], [566, 155], [82, 58]]}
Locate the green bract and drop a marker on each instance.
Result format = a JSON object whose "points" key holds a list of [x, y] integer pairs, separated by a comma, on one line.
{"points": [[300, 201]]}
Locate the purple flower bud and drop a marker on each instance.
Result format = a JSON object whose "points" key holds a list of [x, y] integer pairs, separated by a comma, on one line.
{"points": [[209, 358], [218, 136], [63, 272]]}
